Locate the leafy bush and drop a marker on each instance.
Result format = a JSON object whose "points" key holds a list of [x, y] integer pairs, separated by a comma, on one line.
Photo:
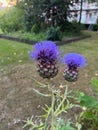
{"points": [[77, 27], [67, 26], [95, 27], [54, 34], [28, 19], [11, 20], [35, 28], [72, 27]]}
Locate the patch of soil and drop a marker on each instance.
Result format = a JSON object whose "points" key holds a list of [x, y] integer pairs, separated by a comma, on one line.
{"points": [[18, 101]]}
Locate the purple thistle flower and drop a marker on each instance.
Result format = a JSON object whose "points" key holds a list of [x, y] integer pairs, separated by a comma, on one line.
{"points": [[74, 60], [46, 55], [45, 50]]}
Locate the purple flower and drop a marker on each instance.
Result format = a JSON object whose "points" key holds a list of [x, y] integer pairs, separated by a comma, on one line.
{"points": [[46, 55], [74, 60], [46, 51]]}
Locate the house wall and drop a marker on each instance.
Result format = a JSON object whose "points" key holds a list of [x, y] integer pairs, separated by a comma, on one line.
{"points": [[89, 13]]}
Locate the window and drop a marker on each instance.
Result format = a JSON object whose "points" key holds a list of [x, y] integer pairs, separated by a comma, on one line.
{"points": [[90, 15], [95, 13]]}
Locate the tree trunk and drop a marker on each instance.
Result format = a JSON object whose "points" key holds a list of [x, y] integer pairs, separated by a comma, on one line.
{"points": [[81, 7]]}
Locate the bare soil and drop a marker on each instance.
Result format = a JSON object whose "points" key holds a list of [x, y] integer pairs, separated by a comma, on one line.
{"points": [[18, 101]]}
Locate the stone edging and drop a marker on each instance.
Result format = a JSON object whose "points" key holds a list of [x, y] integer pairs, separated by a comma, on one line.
{"points": [[32, 42], [72, 40]]}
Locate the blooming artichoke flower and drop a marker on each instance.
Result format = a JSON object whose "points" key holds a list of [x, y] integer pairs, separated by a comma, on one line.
{"points": [[73, 62], [46, 55]]}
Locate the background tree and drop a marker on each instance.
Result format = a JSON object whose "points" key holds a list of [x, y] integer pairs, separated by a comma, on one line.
{"points": [[51, 12], [81, 9], [57, 11], [32, 12]]}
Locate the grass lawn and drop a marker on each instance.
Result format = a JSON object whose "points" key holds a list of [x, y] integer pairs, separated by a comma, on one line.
{"points": [[13, 53], [18, 100]]}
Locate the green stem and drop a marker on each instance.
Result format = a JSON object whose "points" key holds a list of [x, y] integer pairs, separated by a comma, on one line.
{"points": [[46, 120], [63, 100], [52, 111], [39, 83]]}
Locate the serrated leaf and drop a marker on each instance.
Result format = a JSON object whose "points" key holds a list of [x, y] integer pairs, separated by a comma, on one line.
{"points": [[88, 101]]}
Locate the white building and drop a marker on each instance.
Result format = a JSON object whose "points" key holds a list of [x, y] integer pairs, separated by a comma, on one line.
{"points": [[89, 12]]}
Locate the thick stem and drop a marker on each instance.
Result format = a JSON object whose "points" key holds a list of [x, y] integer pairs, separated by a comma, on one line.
{"points": [[52, 112]]}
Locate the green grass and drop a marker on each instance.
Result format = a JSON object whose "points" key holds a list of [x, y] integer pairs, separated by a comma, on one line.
{"points": [[13, 53]]}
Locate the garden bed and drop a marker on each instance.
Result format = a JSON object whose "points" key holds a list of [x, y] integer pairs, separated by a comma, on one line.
{"points": [[23, 40]]}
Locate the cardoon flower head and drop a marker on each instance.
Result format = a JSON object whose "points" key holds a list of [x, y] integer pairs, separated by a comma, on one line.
{"points": [[73, 62], [46, 55]]}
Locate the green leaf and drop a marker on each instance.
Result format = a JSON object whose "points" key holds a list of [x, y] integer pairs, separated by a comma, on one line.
{"points": [[62, 126], [67, 127], [88, 115], [78, 95], [88, 101]]}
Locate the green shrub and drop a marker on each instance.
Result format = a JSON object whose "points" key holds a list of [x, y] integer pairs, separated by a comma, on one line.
{"points": [[95, 27], [65, 27], [77, 27], [35, 28], [54, 34], [28, 35], [11, 19], [72, 27]]}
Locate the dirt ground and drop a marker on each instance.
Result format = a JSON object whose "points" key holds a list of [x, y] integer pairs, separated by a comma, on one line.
{"points": [[18, 101]]}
